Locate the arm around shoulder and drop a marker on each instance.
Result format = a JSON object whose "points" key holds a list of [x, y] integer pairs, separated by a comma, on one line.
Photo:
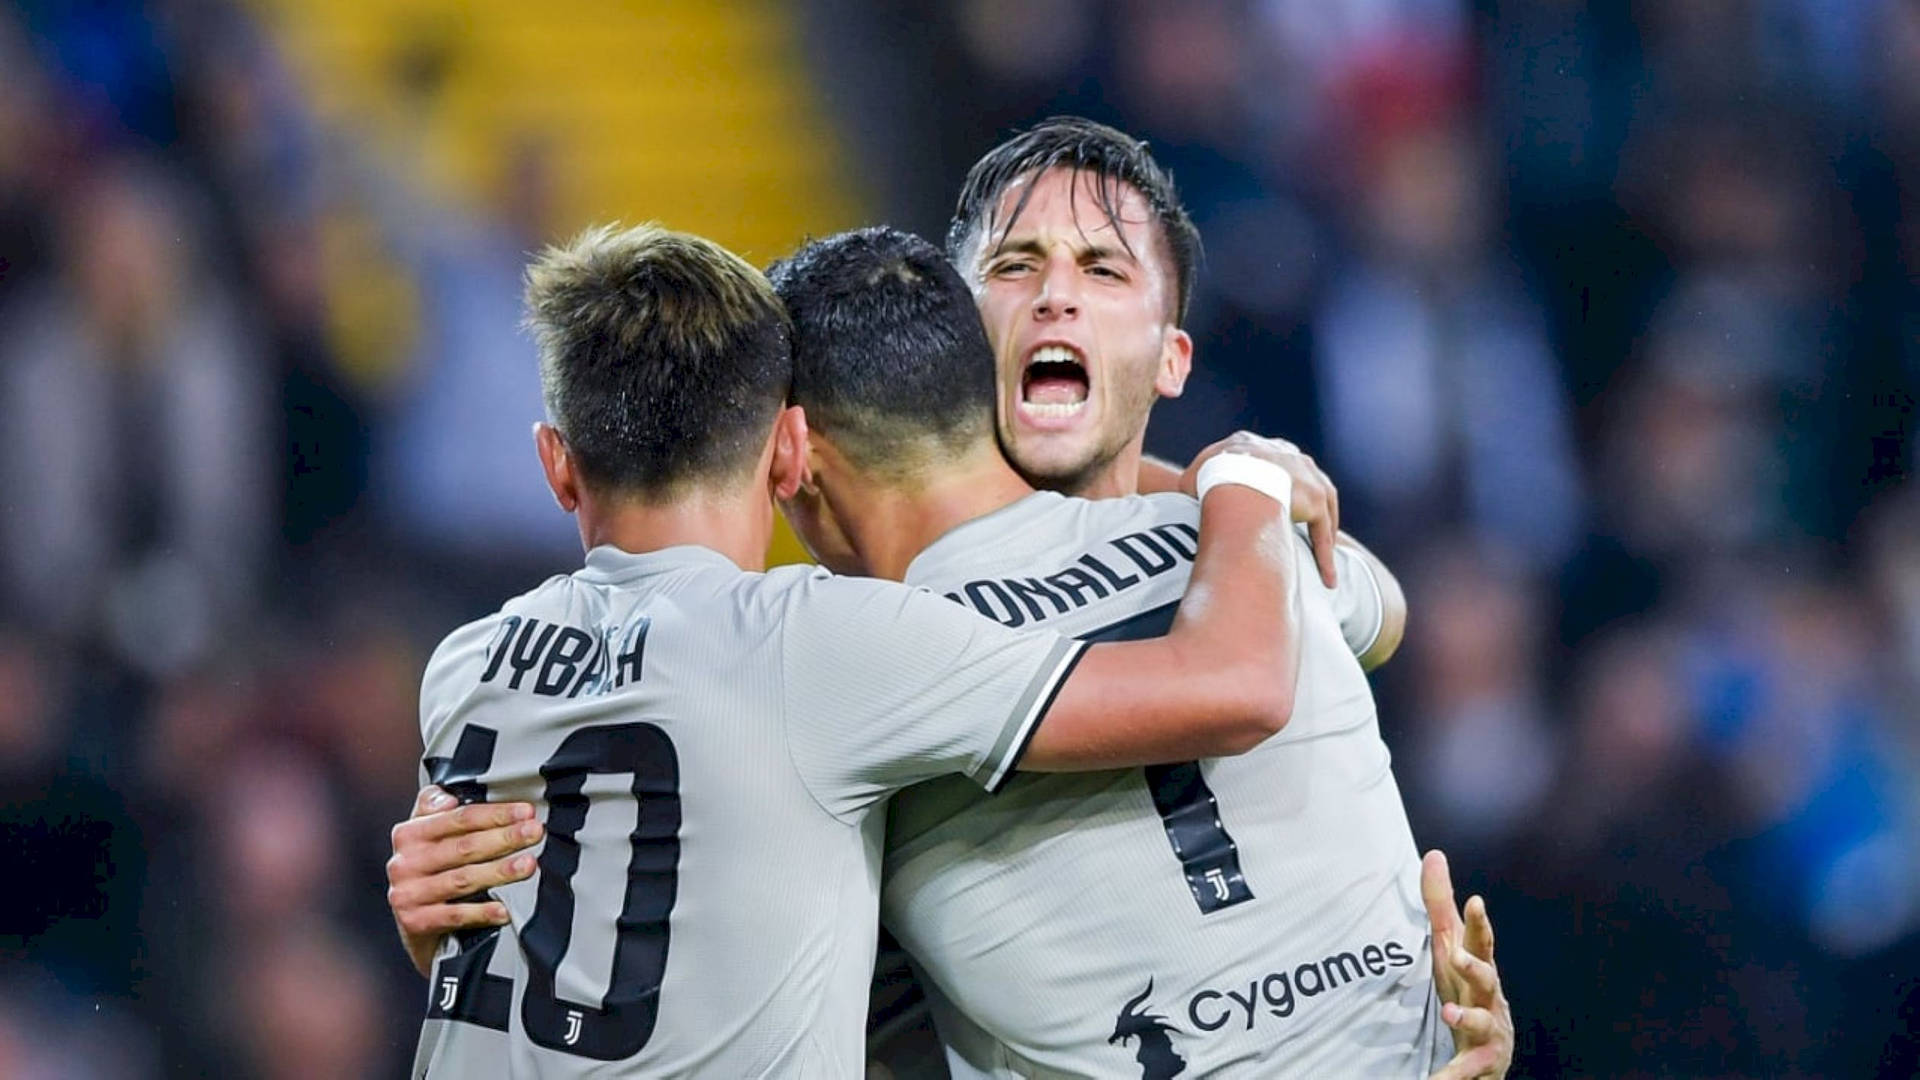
{"points": [[1219, 684]]}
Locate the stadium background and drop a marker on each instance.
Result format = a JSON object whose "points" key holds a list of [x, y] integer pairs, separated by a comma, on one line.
{"points": [[1602, 315]]}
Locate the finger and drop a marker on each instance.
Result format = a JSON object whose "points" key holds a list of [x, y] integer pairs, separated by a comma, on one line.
{"points": [[1436, 890], [446, 918], [1313, 510], [414, 859], [472, 817], [468, 849], [1479, 931], [432, 799], [1323, 533], [461, 882], [1477, 1025], [1333, 498], [1480, 975], [1471, 1063]]}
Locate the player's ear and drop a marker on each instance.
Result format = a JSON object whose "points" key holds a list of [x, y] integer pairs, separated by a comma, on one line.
{"points": [[557, 462], [791, 453], [1176, 362]]}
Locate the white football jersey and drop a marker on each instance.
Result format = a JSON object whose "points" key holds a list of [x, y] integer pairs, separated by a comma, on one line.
{"points": [[707, 748], [1256, 916]]}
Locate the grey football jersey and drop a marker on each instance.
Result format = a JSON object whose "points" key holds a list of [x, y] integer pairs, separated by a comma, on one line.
{"points": [[709, 749], [1253, 916]]}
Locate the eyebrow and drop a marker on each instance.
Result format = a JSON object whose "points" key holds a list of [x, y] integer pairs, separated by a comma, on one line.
{"points": [[1090, 252]]}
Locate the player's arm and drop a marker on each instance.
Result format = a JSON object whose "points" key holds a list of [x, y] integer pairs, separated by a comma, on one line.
{"points": [[444, 859], [1316, 502], [1367, 597], [885, 686], [1220, 682]]}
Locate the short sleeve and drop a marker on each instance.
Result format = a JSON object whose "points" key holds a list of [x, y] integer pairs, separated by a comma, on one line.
{"points": [[886, 686], [1355, 598], [451, 677]]}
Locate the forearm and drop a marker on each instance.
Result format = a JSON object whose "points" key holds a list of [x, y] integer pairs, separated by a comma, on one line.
{"points": [[1219, 683], [1148, 703], [1242, 605]]}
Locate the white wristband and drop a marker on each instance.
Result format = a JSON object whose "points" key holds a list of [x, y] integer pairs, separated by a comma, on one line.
{"points": [[1248, 471]]}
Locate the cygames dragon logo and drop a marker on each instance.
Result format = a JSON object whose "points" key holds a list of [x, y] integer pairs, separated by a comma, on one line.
{"points": [[1156, 1055]]}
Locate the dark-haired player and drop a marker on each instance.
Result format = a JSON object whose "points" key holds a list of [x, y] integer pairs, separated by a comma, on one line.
{"points": [[1082, 260], [711, 742], [1256, 916]]}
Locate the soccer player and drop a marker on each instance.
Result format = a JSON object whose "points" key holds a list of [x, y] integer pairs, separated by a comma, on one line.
{"points": [[1256, 916], [1082, 261], [711, 742]]}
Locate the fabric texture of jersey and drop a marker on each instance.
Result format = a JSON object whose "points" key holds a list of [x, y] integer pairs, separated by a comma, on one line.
{"points": [[1257, 916], [708, 749]]}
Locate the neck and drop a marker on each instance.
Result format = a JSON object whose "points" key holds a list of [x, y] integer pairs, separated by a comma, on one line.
{"points": [[737, 524], [1117, 477], [889, 523]]}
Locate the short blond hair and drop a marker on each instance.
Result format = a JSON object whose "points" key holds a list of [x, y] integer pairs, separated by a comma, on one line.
{"points": [[664, 357]]}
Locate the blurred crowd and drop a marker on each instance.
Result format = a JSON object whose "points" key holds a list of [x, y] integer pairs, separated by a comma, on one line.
{"points": [[1602, 316], [242, 365]]}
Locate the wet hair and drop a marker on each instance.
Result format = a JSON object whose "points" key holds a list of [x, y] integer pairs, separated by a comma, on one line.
{"points": [[890, 359], [1113, 157], [664, 357]]}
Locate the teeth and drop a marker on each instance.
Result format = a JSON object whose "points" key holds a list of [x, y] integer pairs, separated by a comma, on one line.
{"points": [[1054, 354], [1052, 409]]}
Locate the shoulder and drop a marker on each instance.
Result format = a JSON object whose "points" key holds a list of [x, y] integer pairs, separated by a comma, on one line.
{"points": [[1131, 511], [471, 643], [1166, 505], [1157, 507], [821, 593], [459, 649], [454, 670], [1169, 514]]}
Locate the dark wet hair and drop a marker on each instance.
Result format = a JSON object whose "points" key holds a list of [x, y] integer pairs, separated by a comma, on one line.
{"points": [[1112, 156], [890, 359]]}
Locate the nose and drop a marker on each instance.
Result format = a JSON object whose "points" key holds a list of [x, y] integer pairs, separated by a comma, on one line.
{"points": [[1059, 296]]}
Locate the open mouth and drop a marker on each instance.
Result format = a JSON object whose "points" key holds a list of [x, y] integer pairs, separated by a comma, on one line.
{"points": [[1055, 382]]}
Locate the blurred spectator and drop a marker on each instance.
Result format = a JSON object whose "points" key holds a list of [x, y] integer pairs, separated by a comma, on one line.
{"points": [[1790, 705], [1630, 762], [456, 469], [1483, 753], [1437, 385], [136, 425], [282, 1027]]}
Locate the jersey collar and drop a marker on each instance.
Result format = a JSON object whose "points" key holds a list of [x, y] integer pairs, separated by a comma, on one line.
{"points": [[998, 528], [608, 564]]}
